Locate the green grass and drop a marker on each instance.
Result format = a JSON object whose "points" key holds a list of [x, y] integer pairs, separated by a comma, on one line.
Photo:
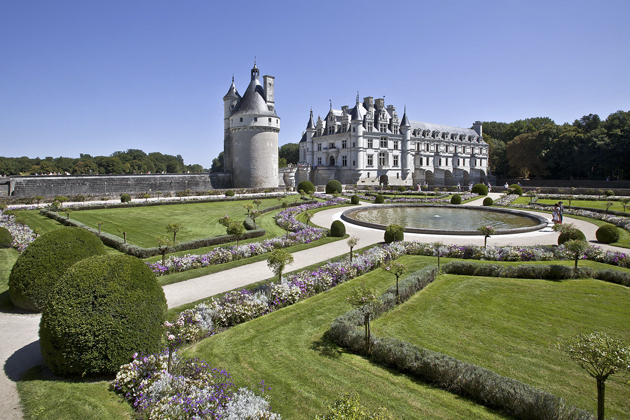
{"points": [[7, 259], [290, 351], [46, 397], [594, 204], [510, 326], [144, 224]]}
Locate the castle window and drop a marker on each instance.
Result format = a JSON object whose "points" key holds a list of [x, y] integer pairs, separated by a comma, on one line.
{"points": [[427, 147], [354, 129], [384, 142], [353, 144], [344, 161], [440, 162], [241, 119], [417, 147], [381, 159], [255, 118], [457, 162], [344, 144], [370, 127], [397, 175], [331, 146], [370, 161], [383, 128], [395, 145], [269, 119], [319, 160], [370, 144], [395, 160], [354, 163], [319, 147], [232, 120]]}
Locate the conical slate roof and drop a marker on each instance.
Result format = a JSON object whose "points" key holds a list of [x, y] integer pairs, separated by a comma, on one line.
{"points": [[311, 124], [232, 92], [253, 102], [405, 120]]}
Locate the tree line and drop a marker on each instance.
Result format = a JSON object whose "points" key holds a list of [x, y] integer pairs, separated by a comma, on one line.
{"points": [[128, 162], [590, 148]]}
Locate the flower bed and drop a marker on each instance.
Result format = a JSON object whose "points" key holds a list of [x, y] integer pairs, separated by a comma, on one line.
{"points": [[436, 200], [22, 234], [621, 221], [506, 199], [298, 233]]}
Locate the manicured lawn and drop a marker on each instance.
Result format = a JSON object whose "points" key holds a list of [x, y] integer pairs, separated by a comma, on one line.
{"points": [[511, 326], [144, 224], [289, 350], [7, 259], [46, 397], [599, 204]]}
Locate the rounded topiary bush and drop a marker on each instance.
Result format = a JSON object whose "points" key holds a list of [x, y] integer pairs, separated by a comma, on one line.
{"points": [[337, 229], [402, 188], [306, 186], [607, 234], [488, 201], [394, 233], [456, 199], [46, 259], [5, 238], [229, 193], [571, 235], [609, 193], [515, 189], [102, 311], [354, 199], [333, 186], [125, 198], [379, 199], [480, 189]]}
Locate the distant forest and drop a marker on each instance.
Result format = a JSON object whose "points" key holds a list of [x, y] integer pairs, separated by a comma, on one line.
{"points": [[539, 148], [129, 162]]}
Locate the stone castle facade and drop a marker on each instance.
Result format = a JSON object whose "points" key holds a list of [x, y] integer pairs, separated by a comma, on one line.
{"points": [[251, 127], [370, 144]]}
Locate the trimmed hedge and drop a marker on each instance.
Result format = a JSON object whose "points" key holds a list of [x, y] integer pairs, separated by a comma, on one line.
{"points": [[125, 198], [333, 186], [306, 186], [488, 201], [337, 229], [456, 199], [572, 234], [480, 189], [607, 234], [482, 385], [393, 235], [515, 189], [354, 199], [229, 193], [45, 260], [5, 238], [102, 311], [379, 199]]}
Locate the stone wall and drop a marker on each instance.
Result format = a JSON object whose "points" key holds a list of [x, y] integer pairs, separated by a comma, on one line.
{"points": [[111, 185]]}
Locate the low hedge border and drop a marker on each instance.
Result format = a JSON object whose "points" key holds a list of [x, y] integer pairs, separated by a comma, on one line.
{"points": [[137, 251], [482, 385]]}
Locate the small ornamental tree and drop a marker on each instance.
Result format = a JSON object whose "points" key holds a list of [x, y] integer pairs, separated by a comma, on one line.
{"points": [[278, 260], [237, 229], [600, 356], [248, 207], [486, 231], [254, 214], [352, 242], [397, 269], [158, 193], [308, 215], [576, 247], [174, 228], [100, 223], [146, 197], [61, 199], [124, 234], [609, 204], [68, 211], [624, 203], [38, 198], [225, 220], [163, 244], [257, 203], [37, 231], [363, 299]]}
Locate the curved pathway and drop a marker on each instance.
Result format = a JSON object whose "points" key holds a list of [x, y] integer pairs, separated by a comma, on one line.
{"points": [[19, 344]]}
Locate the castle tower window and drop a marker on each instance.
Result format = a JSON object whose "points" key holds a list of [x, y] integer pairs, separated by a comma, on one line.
{"points": [[269, 119], [395, 160], [344, 144], [241, 119], [354, 163], [255, 118], [354, 129], [344, 161]]}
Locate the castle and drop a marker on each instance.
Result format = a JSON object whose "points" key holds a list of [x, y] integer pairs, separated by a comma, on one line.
{"points": [[370, 144], [250, 141]]}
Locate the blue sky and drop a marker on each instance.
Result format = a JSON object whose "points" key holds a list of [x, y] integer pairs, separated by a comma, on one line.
{"points": [[100, 76]]}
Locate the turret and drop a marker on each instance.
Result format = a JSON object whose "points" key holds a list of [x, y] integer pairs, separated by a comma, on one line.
{"points": [[477, 128], [407, 159]]}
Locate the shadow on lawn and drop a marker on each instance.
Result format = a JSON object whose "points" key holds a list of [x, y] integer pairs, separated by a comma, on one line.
{"points": [[326, 347]]}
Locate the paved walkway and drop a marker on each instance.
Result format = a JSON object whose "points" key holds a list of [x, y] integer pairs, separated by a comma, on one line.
{"points": [[19, 344]]}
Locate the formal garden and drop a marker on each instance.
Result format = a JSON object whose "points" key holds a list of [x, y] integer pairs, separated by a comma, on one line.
{"points": [[452, 331]]}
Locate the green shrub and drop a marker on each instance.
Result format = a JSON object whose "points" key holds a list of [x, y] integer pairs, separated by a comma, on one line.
{"points": [[354, 199], [488, 201], [456, 199], [229, 193], [306, 186], [609, 193], [46, 259], [570, 235], [5, 238], [480, 189], [333, 186], [125, 198], [337, 229], [607, 234], [102, 311], [402, 188], [515, 189], [379, 199], [394, 233]]}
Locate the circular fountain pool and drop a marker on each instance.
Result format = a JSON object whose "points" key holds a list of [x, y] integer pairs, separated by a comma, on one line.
{"points": [[445, 219]]}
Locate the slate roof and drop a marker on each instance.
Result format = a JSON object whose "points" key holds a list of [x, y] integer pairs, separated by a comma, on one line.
{"points": [[253, 102], [417, 125]]}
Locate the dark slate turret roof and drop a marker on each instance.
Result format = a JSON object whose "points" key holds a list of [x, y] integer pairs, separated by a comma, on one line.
{"points": [[311, 124], [357, 113], [405, 120], [253, 101], [232, 92]]}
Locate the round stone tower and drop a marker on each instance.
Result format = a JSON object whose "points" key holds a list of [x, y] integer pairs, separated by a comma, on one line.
{"points": [[251, 141]]}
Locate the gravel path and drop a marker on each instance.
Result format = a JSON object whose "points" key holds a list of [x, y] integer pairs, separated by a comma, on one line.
{"points": [[19, 344]]}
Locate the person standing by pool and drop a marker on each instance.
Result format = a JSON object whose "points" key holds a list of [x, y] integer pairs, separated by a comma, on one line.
{"points": [[560, 211], [556, 214]]}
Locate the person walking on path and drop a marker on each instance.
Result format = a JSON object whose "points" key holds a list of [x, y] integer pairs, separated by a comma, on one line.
{"points": [[560, 211], [556, 214]]}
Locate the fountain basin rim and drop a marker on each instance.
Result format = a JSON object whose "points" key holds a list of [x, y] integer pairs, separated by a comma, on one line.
{"points": [[542, 221]]}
